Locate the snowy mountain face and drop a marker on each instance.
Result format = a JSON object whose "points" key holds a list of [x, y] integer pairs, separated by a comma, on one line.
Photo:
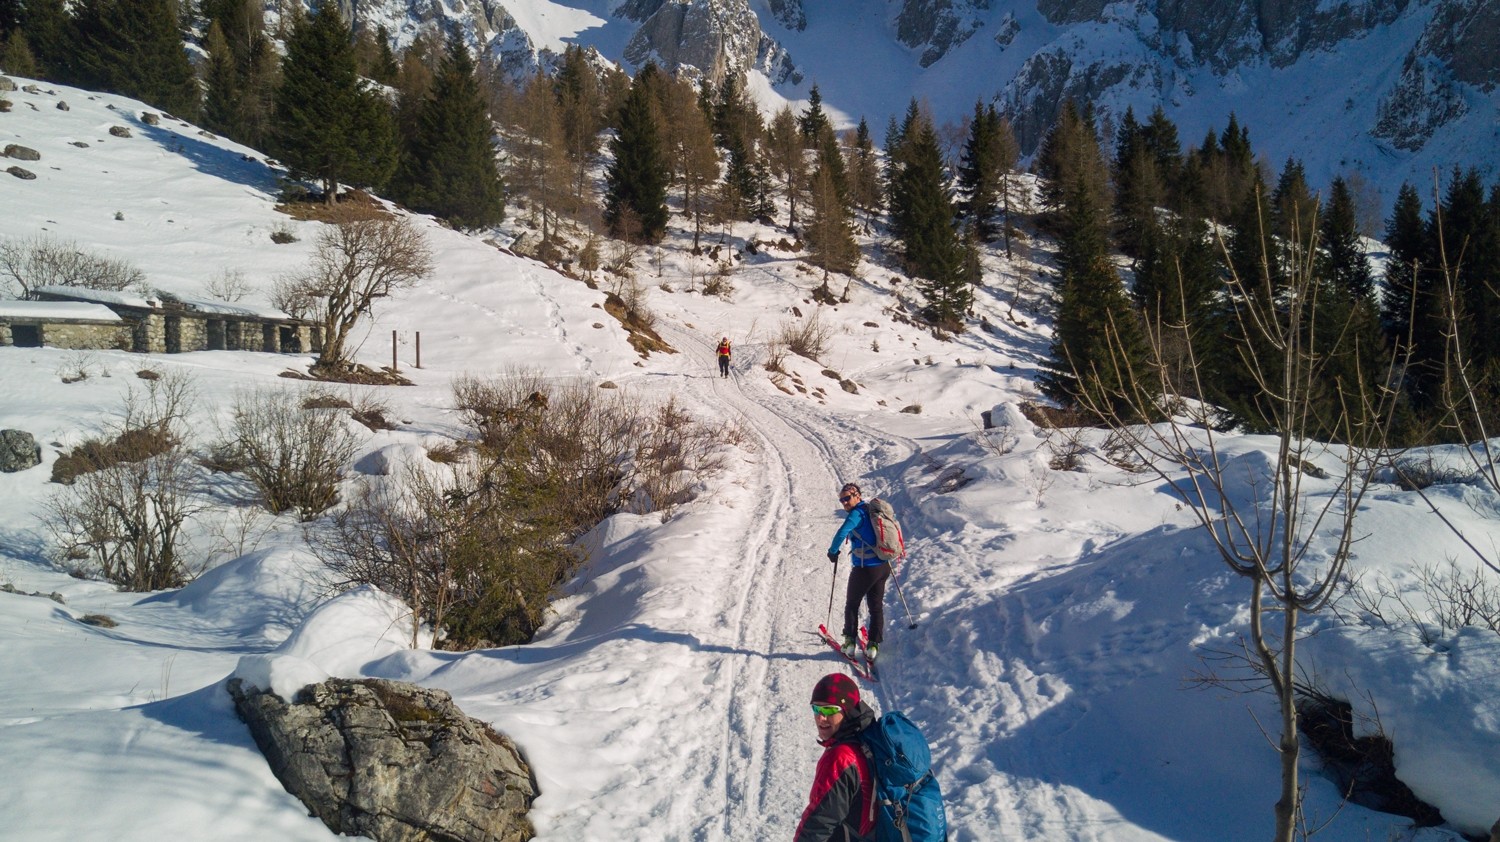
{"points": [[1389, 89]]}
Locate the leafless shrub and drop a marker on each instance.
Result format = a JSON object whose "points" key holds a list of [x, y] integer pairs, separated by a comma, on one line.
{"points": [[718, 284], [776, 355], [122, 518], [77, 365], [295, 456], [228, 285], [806, 338], [1447, 599], [41, 260], [477, 545], [291, 296], [1416, 471], [997, 441], [1067, 448]]}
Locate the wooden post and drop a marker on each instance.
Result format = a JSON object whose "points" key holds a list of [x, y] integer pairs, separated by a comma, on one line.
{"points": [[419, 349], [393, 351]]}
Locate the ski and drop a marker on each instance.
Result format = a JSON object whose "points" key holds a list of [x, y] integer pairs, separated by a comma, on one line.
{"points": [[856, 662], [864, 650]]}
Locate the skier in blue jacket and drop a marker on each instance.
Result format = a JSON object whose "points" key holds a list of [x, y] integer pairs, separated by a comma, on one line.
{"points": [[868, 574]]}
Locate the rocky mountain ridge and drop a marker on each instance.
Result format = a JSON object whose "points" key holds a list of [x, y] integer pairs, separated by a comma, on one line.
{"points": [[1393, 87]]}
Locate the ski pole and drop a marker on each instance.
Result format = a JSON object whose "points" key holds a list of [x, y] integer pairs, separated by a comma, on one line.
{"points": [[831, 587], [910, 622]]}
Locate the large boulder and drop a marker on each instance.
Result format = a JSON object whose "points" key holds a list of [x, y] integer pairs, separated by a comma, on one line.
{"points": [[391, 761], [18, 451]]}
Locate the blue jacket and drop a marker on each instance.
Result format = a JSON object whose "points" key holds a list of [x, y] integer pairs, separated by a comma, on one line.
{"points": [[859, 530]]}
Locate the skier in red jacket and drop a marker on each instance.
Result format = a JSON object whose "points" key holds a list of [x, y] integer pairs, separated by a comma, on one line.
{"points": [[841, 807]]}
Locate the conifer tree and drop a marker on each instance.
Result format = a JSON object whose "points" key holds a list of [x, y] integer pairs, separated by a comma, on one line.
{"points": [[241, 71], [813, 122], [222, 97], [1139, 190], [1464, 228], [538, 168], [1346, 324], [830, 234], [449, 162], [581, 105], [1098, 345], [1342, 253], [327, 125], [15, 54], [699, 165], [135, 48], [50, 38], [1406, 240], [981, 171], [785, 159], [895, 163], [1177, 287], [635, 199], [864, 173], [932, 250]]}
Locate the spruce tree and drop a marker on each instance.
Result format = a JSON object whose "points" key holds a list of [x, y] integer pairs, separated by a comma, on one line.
{"points": [[581, 110], [635, 198], [50, 36], [981, 170], [1139, 189], [15, 54], [1406, 240], [135, 48], [932, 250], [448, 162], [1098, 347], [327, 125], [814, 122], [1345, 330]]}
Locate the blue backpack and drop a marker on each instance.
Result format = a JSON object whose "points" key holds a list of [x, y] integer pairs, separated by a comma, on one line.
{"points": [[909, 802]]}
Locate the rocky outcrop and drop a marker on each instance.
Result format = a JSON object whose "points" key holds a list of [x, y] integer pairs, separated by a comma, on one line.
{"points": [[1459, 48], [391, 761], [18, 451], [714, 37], [789, 13], [937, 26]]}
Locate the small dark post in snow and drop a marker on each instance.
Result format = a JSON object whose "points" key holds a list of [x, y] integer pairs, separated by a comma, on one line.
{"points": [[419, 349], [393, 352]]}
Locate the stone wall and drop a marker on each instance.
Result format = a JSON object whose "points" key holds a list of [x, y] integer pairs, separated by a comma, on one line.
{"points": [[78, 336]]}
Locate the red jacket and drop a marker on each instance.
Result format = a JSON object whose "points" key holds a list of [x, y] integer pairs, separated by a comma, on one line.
{"points": [[841, 806]]}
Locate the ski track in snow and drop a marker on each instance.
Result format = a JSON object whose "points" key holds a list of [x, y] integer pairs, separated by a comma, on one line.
{"points": [[768, 747]]}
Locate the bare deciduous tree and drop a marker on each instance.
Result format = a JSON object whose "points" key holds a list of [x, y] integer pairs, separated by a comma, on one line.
{"points": [[357, 261], [1283, 524], [42, 260]]}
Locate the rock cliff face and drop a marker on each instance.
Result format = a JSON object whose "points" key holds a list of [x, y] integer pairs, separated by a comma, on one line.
{"points": [[937, 26], [715, 37]]}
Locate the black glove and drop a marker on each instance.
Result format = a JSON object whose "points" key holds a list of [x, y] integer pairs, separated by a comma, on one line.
{"points": [[833, 558]]}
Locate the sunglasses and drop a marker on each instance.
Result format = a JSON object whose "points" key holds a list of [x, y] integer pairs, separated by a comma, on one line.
{"points": [[827, 710], [844, 498]]}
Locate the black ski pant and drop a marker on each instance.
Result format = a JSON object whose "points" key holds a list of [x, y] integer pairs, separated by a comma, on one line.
{"points": [[723, 365], [868, 584]]}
